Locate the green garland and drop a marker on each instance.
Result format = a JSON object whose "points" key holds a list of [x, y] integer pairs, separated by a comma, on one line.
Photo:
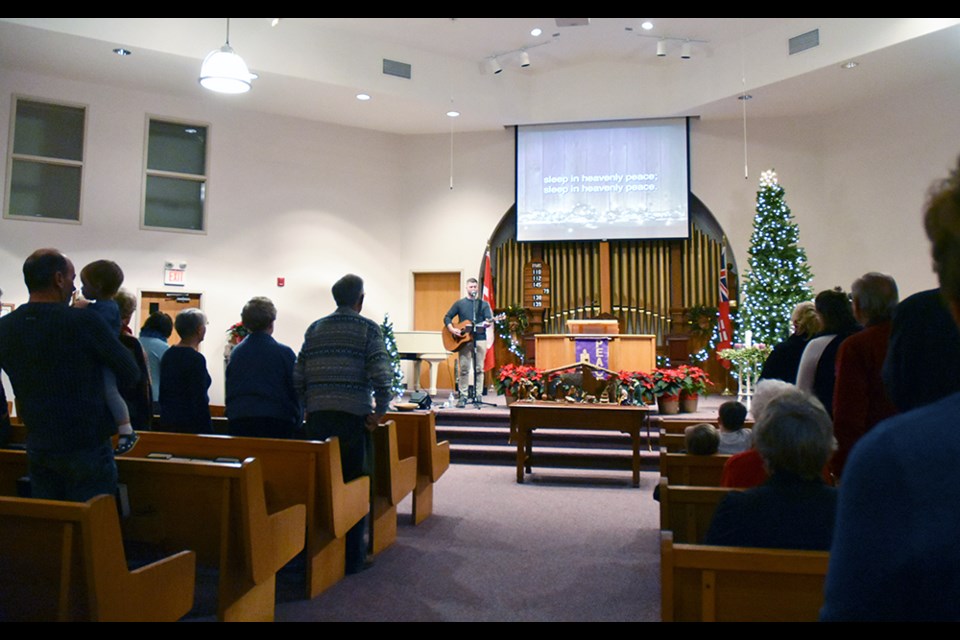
{"points": [[511, 330]]}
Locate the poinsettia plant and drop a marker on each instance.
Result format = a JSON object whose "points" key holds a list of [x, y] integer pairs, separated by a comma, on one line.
{"points": [[236, 333], [640, 386], [513, 376], [666, 382], [693, 380]]}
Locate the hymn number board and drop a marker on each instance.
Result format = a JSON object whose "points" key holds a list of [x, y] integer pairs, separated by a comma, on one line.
{"points": [[536, 285]]}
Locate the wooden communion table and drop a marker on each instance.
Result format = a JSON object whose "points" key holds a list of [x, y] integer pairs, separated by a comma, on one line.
{"points": [[525, 417]]}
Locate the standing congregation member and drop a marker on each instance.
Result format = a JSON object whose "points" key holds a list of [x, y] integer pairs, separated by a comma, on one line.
{"points": [[184, 380], [477, 312], [261, 399], [817, 372], [139, 398], [860, 400], [343, 376], [153, 336], [895, 554], [55, 356]]}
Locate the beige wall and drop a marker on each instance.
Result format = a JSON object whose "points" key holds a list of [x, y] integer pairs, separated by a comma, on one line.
{"points": [[309, 201]]}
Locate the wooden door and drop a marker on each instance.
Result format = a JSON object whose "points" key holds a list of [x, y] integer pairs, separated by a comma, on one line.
{"points": [[169, 303], [433, 294]]}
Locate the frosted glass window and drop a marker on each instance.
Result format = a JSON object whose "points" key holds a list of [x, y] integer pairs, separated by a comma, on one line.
{"points": [[175, 180], [46, 161]]}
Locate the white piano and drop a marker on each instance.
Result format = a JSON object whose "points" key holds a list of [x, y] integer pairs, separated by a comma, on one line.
{"points": [[422, 346]]}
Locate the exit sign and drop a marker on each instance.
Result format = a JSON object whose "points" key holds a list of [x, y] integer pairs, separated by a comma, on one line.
{"points": [[174, 277]]}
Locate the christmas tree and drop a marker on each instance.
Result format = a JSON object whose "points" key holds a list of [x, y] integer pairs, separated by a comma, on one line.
{"points": [[391, 343], [778, 273]]}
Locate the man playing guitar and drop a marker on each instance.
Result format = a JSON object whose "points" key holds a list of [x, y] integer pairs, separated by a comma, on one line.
{"points": [[474, 315]]}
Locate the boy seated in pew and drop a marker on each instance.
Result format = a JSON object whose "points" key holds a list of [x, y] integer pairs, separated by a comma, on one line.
{"points": [[701, 440], [734, 438]]}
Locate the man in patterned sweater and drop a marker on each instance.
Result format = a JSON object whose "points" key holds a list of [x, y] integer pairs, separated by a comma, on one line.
{"points": [[343, 376]]}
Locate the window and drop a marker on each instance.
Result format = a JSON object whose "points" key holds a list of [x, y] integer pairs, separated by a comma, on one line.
{"points": [[175, 180], [46, 161]]}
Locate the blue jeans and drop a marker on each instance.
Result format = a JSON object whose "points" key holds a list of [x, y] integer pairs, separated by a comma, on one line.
{"points": [[354, 439], [75, 476]]}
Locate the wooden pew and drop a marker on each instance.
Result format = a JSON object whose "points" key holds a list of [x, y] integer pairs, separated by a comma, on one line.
{"points": [[394, 477], [688, 511], [417, 436], [678, 425], [215, 509], [304, 472], [688, 469], [220, 511], [738, 584], [63, 561], [672, 442], [13, 466]]}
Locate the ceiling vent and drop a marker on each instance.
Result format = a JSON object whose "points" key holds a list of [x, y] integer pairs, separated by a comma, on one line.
{"points": [[805, 41], [398, 69], [572, 22]]}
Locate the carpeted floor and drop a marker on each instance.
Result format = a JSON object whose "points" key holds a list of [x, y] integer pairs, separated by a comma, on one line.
{"points": [[565, 546]]}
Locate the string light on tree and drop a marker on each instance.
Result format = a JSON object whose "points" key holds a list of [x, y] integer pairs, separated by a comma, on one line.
{"points": [[778, 276]]}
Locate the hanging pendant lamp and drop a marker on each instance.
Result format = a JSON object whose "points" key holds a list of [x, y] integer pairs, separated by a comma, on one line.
{"points": [[224, 71]]}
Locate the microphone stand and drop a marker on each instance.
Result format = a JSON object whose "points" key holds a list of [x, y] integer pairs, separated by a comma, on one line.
{"points": [[474, 395]]}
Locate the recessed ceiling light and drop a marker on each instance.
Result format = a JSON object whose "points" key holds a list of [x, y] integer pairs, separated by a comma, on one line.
{"points": [[363, 96], [646, 26], [453, 114], [536, 31], [850, 65], [120, 51]]}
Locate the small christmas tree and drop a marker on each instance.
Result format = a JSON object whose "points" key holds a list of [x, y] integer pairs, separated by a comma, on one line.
{"points": [[778, 276], [391, 343]]}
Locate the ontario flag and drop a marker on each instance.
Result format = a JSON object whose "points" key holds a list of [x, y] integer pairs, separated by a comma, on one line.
{"points": [[488, 298], [724, 326]]}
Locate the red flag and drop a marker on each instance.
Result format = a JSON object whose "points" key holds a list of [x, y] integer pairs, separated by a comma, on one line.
{"points": [[724, 326], [488, 298]]}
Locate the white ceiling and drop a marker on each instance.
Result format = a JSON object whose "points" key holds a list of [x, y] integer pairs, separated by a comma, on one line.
{"points": [[313, 67]]}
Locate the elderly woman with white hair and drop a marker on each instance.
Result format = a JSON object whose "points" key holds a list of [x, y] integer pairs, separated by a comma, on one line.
{"points": [[184, 380], [794, 508], [746, 469]]}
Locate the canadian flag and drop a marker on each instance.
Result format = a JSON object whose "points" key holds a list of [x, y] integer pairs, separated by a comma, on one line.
{"points": [[488, 363]]}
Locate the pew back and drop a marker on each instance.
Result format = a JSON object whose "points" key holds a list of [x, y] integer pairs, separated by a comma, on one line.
{"points": [[688, 511], [691, 470], [737, 584], [417, 436], [295, 472], [65, 561]]}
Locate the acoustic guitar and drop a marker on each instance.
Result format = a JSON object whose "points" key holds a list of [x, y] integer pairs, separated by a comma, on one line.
{"points": [[455, 343]]}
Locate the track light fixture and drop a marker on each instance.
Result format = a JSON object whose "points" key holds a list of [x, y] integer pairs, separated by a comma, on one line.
{"points": [[686, 44], [492, 66]]}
